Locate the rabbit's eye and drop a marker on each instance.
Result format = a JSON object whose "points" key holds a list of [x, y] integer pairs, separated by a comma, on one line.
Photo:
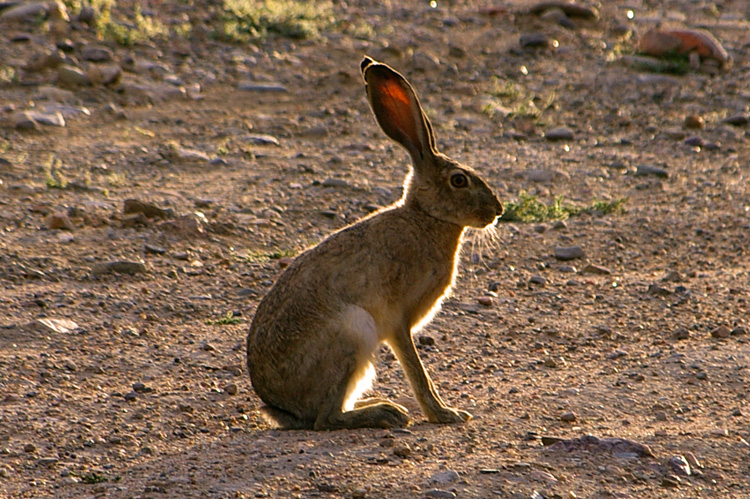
{"points": [[459, 180]]}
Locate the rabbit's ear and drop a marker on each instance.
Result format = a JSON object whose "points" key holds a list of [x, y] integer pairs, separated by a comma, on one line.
{"points": [[397, 109]]}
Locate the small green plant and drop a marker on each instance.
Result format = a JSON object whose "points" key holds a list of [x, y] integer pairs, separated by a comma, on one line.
{"points": [[54, 178], [251, 20], [115, 179], [228, 319], [529, 209], [128, 32], [264, 256], [93, 478], [509, 95]]}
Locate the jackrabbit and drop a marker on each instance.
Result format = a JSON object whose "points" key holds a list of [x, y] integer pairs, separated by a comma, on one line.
{"points": [[312, 343]]}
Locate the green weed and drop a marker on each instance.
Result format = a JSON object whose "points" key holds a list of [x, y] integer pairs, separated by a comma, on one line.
{"points": [[529, 209], [228, 319], [252, 20]]}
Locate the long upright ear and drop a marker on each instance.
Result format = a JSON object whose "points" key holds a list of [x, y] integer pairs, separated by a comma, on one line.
{"points": [[397, 109]]}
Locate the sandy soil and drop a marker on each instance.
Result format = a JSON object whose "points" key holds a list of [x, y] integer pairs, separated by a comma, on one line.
{"points": [[623, 373]]}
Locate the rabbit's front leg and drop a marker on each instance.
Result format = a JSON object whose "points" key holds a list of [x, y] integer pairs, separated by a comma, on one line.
{"points": [[432, 405]]}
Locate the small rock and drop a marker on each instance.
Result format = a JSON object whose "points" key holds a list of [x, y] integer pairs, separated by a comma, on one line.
{"points": [[426, 340], [47, 326], [30, 448], [251, 86], [231, 389], [736, 120], [148, 209], [672, 276], [154, 250], [568, 7], [425, 61], [646, 170], [721, 332], [596, 269], [445, 477], [693, 461], [73, 76], [738, 331], [59, 221], [178, 153], [538, 280], [694, 141], [119, 267], [560, 133], [24, 121], [440, 494], [681, 333], [131, 396], [47, 461], [679, 466], [262, 140], [568, 417], [569, 252], [694, 122], [402, 451], [656, 290], [104, 74], [25, 11], [48, 118], [334, 182], [485, 301], [671, 481], [97, 54], [534, 40]]}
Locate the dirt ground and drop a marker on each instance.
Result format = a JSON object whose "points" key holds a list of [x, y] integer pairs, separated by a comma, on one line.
{"points": [[122, 325]]}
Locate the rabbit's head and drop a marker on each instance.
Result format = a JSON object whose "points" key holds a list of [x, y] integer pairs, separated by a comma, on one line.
{"points": [[437, 185]]}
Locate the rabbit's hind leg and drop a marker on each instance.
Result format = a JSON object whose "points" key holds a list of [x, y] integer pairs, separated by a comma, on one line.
{"points": [[370, 413], [351, 375]]}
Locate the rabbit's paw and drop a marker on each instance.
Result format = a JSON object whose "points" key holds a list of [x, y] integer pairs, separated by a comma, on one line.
{"points": [[394, 416], [449, 416]]}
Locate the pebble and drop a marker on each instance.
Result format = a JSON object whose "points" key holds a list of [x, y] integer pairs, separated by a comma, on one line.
{"points": [[694, 121], [231, 389], [679, 465], [485, 301], [568, 417], [721, 332], [25, 11], [537, 279], [533, 40], [569, 252], [596, 269], [694, 141], [73, 76], [402, 451], [736, 120], [334, 182], [47, 326], [646, 170], [657, 290], [262, 140], [693, 461], [97, 54], [119, 267], [252, 86], [569, 8], [440, 494], [59, 221], [681, 333], [560, 133], [148, 209], [670, 481], [104, 74], [445, 477], [30, 448]]}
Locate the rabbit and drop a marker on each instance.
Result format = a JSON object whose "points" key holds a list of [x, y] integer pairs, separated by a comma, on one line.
{"points": [[314, 337]]}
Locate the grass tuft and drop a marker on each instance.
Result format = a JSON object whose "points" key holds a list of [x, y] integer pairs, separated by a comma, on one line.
{"points": [[529, 209], [228, 319], [253, 20]]}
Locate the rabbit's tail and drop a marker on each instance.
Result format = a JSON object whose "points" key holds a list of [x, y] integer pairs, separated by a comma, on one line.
{"points": [[284, 420]]}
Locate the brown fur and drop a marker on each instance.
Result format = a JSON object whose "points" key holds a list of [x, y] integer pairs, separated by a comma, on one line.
{"points": [[314, 337]]}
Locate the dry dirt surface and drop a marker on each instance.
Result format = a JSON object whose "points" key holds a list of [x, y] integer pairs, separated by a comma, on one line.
{"points": [[137, 240]]}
